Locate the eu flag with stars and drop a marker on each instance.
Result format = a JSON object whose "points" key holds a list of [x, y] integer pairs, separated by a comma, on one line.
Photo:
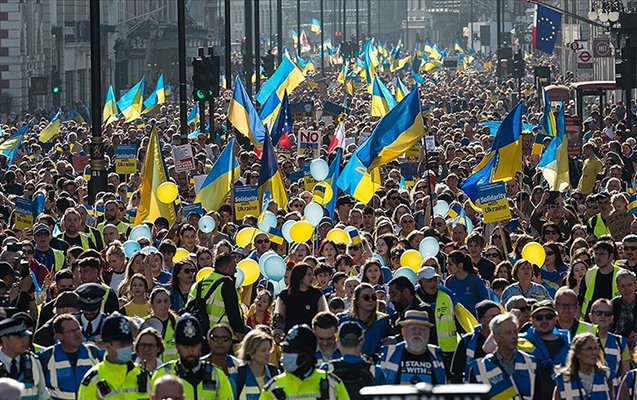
{"points": [[546, 27]]}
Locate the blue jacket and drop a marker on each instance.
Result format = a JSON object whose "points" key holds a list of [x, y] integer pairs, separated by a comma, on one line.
{"points": [[374, 334], [393, 355], [541, 353]]}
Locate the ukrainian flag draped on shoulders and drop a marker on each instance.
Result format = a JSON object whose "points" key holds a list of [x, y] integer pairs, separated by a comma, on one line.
{"points": [[153, 174], [503, 160], [554, 161], [394, 134], [218, 183], [244, 117], [269, 175]]}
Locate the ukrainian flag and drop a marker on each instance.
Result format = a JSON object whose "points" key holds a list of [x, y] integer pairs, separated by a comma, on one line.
{"points": [[503, 160], [316, 26], [270, 109], [629, 188], [52, 129], [218, 183], [415, 71], [276, 236], [401, 90], [306, 66], [554, 161], [153, 174], [632, 206], [10, 146], [463, 219], [332, 178], [110, 113], [282, 124], [548, 125], [269, 176], [131, 103], [538, 144], [193, 116], [457, 47], [354, 236], [356, 181], [399, 64], [157, 97], [455, 209], [286, 77], [295, 36], [382, 100], [343, 74], [396, 133], [244, 117]]}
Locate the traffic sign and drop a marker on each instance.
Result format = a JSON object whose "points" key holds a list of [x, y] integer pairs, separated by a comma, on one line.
{"points": [[227, 94], [584, 56], [602, 48], [575, 45]]}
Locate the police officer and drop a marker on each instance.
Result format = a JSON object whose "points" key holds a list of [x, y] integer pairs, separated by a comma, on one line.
{"points": [[117, 377], [66, 362], [90, 318], [17, 362], [201, 379], [301, 378]]}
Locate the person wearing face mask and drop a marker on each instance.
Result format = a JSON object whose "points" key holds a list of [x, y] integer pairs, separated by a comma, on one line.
{"points": [[201, 379], [117, 376], [301, 378]]}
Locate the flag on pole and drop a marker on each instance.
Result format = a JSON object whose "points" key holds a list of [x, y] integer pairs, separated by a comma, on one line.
{"points": [[52, 129], [110, 113]]}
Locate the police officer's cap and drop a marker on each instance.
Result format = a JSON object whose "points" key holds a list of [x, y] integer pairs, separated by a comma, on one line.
{"points": [[300, 337], [91, 295], [188, 330], [13, 327], [117, 327]]}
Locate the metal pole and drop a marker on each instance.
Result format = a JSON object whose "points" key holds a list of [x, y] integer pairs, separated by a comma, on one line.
{"points": [[369, 18], [322, 39], [471, 24], [247, 61], [629, 90], [257, 45], [279, 30], [357, 26], [270, 23], [183, 99], [344, 20], [298, 27], [98, 165], [202, 104], [228, 55], [498, 37], [211, 107]]}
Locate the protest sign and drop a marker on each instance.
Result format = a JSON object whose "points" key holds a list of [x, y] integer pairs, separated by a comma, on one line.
{"points": [[183, 158], [246, 201], [23, 213], [493, 202], [126, 159]]}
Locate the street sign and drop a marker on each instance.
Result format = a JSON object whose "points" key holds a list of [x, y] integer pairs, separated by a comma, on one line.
{"points": [[575, 45], [227, 94], [584, 72], [584, 56], [602, 48]]}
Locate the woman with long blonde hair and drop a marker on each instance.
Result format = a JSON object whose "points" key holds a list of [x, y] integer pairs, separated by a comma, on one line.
{"points": [[585, 375]]}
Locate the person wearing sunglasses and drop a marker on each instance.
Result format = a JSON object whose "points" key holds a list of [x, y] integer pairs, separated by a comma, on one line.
{"points": [[616, 351], [541, 336], [568, 311], [629, 243], [518, 306]]}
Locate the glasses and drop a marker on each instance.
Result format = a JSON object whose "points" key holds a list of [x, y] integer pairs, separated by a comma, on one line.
{"points": [[543, 317], [189, 270], [439, 223], [409, 221], [367, 297], [262, 241], [149, 346], [593, 206], [27, 251], [630, 248], [296, 205], [220, 339], [566, 305], [599, 313], [491, 255]]}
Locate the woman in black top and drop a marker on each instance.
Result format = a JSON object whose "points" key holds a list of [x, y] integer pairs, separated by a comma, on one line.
{"points": [[299, 302]]}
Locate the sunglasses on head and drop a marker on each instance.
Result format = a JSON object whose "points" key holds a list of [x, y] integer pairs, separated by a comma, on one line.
{"points": [[367, 297], [543, 317]]}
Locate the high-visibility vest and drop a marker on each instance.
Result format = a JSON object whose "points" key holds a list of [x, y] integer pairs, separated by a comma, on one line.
{"points": [[573, 389], [589, 278], [63, 380], [215, 305], [597, 225], [58, 259], [613, 349], [531, 342], [445, 323], [471, 340], [318, 385], [215, 384], [170, 349], [30, 375], [519, 385], [117, 381], [250, 389], [393, 355]]}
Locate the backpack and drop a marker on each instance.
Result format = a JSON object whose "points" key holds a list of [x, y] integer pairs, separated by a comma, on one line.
{"points": [[354, 376], [197, 306]]}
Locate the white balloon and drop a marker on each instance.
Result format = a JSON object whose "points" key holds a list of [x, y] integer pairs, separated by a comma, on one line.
{"points": [[285, 230], [313, 213], [266, 221], [441, 208], [319, 169]]}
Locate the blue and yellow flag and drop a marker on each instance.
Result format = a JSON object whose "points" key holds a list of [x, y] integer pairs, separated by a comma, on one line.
{"points": [[316, 26], [331, 179], [306, 66], [286, 77], [270, 177], [153, 174], [270, 109], [548, 125], [295, 36], [415, 71], [110, 113], [632, 206], [157, 97], [193, 116], [457, 47], [283, 124], [218, 183], [52, 129], [463, 219], [244, 116], [382, 100], [356, 181], [10, 146], [503, 160], [554, 161], [455, 209], [401, 90], [131, 103], [396, 133]]}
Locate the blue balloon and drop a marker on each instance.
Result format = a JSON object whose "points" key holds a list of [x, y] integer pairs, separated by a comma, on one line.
{"points": [[313, 213], [379, 258], [131, 247], [429, 247], [206, 224], [319, 169], [386, 273], [140, 231], [149, 250], [262, 259], [279, 286], [274, 268], [285, 230], [39, 201], [267, 220], [239, 277], [407, 272], [441, 208]]}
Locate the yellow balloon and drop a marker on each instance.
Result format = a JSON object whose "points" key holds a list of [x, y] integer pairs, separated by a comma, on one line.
{"points": [[412, 259], [203, 273], [338, 235], [245, 236], [167, 192], [322, 193], [474, 206], [534, 253], [301, 231], [180, 255], [250, 270]]}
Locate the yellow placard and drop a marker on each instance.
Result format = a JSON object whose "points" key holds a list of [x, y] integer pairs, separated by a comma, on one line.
{"points": [[23, 221], [126, 166]]}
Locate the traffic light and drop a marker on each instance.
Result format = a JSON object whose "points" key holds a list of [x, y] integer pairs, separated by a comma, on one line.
{"points": [[205, 77], [518, 70], [625, 74], [268, 64], [56, 86]]}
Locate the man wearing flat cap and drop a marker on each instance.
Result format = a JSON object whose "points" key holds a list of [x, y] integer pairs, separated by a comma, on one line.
{"points": [[17, 362], [201, 379], [414, 360]]}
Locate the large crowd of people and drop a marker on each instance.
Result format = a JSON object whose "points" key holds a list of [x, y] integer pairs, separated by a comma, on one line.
{"points": [[86, 318]]}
